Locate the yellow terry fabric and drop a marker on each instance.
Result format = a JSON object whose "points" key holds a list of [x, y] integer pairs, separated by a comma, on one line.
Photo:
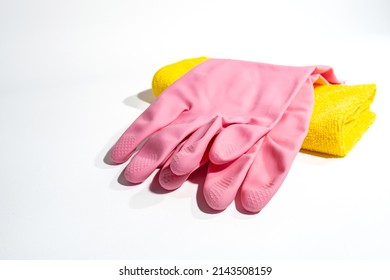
{"points": [[341, 113]]}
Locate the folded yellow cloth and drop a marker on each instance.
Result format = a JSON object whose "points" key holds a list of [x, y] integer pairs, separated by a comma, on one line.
{"points": [[341, 113], [167, 75]]}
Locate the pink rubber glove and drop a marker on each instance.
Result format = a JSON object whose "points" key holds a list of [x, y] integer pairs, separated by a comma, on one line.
{"points": [[214, 95], [262, 169]]}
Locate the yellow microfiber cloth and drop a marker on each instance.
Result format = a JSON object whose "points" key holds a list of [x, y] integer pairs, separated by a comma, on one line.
{"points": [[341, 113], [167, 75]]}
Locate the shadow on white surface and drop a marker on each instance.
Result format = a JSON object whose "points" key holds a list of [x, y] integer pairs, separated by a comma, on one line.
{"points": [[141, 100], [145, 199], [147, 96]]}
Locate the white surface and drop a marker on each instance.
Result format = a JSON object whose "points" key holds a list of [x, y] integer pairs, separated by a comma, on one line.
{"points": [[73, 76]]}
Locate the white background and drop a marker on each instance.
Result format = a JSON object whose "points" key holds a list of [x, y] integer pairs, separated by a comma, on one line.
{"points": [[75, 74]]}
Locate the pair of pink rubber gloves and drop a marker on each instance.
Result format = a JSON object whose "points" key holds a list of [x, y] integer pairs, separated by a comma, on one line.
{"points": [[247, 120]]}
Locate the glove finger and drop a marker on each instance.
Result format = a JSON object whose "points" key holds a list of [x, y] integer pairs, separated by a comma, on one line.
{"points": [[188, 158], [234, 141], [159, 114], [265, 176], [277, 153], [223, 181], [327, 73], [170, 181], [157, 149], [167, 179]]}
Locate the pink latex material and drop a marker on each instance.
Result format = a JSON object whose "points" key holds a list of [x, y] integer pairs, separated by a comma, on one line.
{"points": [[241, 105], [261, 171]]}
